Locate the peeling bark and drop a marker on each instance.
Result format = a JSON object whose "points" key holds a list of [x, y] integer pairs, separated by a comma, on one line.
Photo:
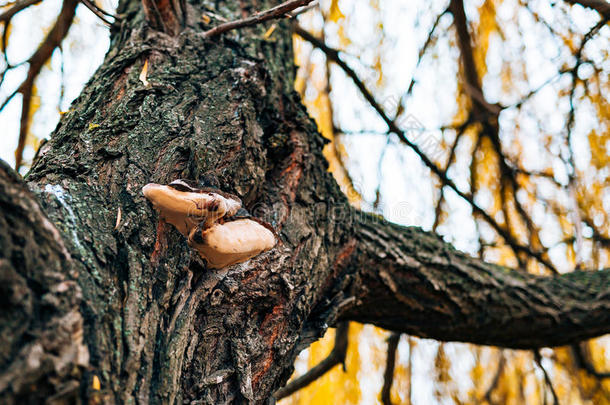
{"points": [[158, 326]]}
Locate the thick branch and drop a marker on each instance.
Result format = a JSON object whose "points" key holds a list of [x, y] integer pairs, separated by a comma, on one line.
{"points": [[413, 282]]}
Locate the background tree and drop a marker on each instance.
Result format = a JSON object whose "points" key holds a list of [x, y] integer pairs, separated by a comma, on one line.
{"points": [[123, 311]]}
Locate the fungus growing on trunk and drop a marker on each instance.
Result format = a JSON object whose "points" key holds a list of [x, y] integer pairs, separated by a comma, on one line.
{"points": [[208, 218], [231, 242], [185, 206]]}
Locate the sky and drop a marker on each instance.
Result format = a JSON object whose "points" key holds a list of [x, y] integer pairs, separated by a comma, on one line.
{"points": [[84, 50]]}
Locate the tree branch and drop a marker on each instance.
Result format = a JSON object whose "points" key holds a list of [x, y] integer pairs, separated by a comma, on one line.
{"points": [[422, 51], [487, 115], [390, 364], [163, 330], [585, 364], [101, 14], [496, 378], [336, 356], [19, 6], [333, 55], [37, 61], [437, 210], [279, 11], [413, 282], [547, 378]]}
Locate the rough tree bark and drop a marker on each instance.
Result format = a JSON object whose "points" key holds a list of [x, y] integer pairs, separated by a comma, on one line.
{"points": [[109, 305]]}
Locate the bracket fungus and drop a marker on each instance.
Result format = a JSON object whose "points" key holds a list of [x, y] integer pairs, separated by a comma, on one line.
{"points": [[185, 206], [231, 242], [212, 221]]}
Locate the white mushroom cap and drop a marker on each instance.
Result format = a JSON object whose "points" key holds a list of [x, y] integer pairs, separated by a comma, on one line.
{"points": [[186, 209], [232, 242]]}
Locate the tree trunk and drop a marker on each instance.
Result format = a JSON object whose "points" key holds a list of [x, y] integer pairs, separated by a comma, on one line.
{"points": [[126, 312]]}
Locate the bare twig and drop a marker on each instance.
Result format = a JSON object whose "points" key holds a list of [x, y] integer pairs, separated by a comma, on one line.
{"points": [[584, 363], [380, 161], [547, 378], [336, 150], [97, 11], [5, 19], [469, 69], [336, 356], [364, 132], [62, 81], [441, 198], [297, 12], [574, 73], [423, 50], [540, 19], [487, 115], [496, 379], [388, 376], [533, 92], [275, 12], [37, 61], [597, 235], [106, 13], [572, 181], [333, 55], [19, 6], [7, 99], [4, 43]]}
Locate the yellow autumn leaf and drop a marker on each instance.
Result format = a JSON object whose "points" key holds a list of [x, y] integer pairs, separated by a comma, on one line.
{"points": [[144, 74], [270, 31], [95, 384], [335, 13]]}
